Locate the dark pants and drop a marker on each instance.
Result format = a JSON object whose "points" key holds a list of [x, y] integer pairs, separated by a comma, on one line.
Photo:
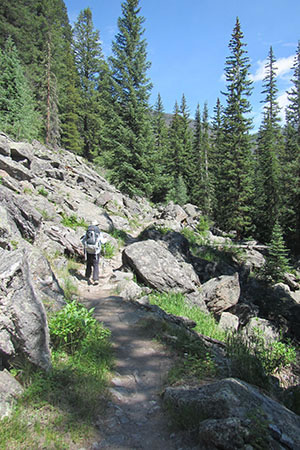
{"points": [[92, 262]]}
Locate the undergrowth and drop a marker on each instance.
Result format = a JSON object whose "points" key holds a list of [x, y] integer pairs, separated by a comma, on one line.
{"points": [[58, 407]]}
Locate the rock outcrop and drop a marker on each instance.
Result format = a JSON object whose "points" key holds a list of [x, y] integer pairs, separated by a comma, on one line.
{"points": [[230, 414]]}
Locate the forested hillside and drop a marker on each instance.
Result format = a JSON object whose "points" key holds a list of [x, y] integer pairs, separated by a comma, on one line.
{"points": [[57, 87]]}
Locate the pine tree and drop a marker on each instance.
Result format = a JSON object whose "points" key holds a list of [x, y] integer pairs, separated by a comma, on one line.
{"points": [[236, 165], [196, 162], [269, 147], [207, 169], [88, 56], [32, 25], [70, 116], [290, 163], [161, 178], [18, 116], [132, 143], [277, 262], [186, 136], [216, 145]]}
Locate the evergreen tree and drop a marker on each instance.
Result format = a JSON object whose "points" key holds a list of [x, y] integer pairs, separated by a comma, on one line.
{"points": [[186, 137], [269, 147], [277, 258], [131, 149], [51, 102], [32, 25], [290, 163], [207, 169], [161, 178], [236, 165], [70, 116], [216, 145], [196, 162], [18, 116], [88, 56]]}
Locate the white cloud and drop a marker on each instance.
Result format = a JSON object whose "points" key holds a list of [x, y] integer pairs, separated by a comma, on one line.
{"points": [[283, 65], [282, 101]]}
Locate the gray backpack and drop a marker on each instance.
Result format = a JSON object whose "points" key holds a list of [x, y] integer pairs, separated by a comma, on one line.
{"points": [[92, 240]]}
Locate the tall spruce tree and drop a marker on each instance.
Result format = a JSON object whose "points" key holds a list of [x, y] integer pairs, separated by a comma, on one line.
{"points": [[186, 137], [290, 164], [32, 25], [18, 116], [88, 56], [236, 171], [161, 150], [70, 115], [269, 147], [207, 169], [130, 153], [196, 162], [216, 145]]}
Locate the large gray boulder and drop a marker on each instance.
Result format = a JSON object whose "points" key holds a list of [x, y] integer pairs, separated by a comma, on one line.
{"points": [[221, 293], [232, 414], [23, 322], [157, 267], [25, 219]]}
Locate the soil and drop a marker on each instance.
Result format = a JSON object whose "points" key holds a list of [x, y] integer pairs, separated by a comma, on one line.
{"points": [[135, 418]]}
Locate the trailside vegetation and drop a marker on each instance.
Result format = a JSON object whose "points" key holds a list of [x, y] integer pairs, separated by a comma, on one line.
{"points": [[57, 86]]}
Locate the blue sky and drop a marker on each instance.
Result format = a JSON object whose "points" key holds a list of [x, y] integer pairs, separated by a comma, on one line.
{"points": [[187, 44]]}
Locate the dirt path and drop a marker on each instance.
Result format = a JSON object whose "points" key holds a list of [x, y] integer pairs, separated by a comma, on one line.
{"points": [[135, 418]]}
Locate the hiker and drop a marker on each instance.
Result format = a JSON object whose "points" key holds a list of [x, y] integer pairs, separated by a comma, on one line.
{"points": [[92, 241]]}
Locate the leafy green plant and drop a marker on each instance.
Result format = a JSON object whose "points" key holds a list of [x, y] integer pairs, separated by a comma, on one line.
{"points": [[120, 235], [27, 190], [59, 408], [254, 359], [72, 221], [44, 214], [14, 244], [108, 250], [42, 191], [70, 326]]}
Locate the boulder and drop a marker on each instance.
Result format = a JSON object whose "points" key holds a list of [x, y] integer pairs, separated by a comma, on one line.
{"points": [[23, 323], [228, 321], [129, 290], [157, 267], [10, 389], [174, 212], [15, 170], [231, 414], [221, 293], [25, 218], [266, 327]]}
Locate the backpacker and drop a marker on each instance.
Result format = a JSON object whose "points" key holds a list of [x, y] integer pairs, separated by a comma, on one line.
{"points": [[92, 240]]}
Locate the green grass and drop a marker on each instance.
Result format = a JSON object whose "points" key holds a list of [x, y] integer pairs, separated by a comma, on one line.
{"points": [[59, 408], [174, 303], [73, 221]]}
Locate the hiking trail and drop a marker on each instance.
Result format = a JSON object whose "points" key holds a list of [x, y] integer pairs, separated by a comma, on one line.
{"points": [[135, 418]]}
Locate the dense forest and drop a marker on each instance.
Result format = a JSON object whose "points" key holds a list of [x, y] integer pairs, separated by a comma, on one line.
{"points": [[57, 87]]}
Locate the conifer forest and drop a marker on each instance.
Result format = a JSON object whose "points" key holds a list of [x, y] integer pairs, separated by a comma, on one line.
{"points": [[57, 87]]}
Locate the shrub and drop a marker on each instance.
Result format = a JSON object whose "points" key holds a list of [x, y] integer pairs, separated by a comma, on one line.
{"points": [[108, 250], [70, 326], [254, 359]]}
